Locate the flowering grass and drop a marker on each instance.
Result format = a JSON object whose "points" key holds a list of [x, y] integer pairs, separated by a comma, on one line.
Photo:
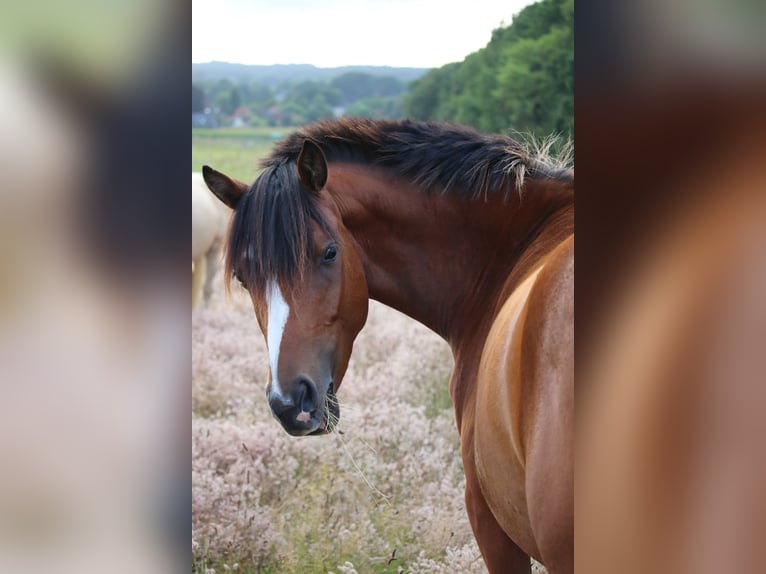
{"points": [[386, 495], [383, 495]]}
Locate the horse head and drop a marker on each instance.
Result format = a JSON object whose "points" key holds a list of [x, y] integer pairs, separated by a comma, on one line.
{"points": [[289, 248]]}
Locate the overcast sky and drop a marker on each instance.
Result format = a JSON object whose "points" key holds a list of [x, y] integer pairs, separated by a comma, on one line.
{"points": [[328, 33]]}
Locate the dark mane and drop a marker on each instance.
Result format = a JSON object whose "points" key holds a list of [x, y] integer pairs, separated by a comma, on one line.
{"points": [[439, 156], [270, 237]]}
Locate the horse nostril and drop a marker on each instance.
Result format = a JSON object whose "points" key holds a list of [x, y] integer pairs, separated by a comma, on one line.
{"points": [[306, 395], [296, 410], [280, 403]]}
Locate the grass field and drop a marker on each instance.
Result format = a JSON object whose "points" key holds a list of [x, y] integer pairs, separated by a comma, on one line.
{"points": [[385, 496], [233, 151], [390, 486]]}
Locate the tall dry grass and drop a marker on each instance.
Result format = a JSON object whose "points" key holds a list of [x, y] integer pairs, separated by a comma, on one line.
{"points": [[383, 495], [386, 495]]}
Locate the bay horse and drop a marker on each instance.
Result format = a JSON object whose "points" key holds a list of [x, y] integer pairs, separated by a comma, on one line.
{"points": [[470, 234], [210, 218]]}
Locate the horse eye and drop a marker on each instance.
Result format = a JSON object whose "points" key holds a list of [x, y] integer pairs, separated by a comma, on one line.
{"points": [[330, 254], [238, 277]]}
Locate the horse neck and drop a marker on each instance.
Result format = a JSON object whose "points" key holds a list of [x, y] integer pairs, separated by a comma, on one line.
{"points": [[440, 259]]}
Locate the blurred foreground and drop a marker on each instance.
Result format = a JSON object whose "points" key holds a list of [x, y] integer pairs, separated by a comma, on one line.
{"points": [[94, 358], [671, 289]]}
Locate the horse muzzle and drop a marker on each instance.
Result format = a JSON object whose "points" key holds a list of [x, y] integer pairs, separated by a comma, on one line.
{"points": [[304, 410]]}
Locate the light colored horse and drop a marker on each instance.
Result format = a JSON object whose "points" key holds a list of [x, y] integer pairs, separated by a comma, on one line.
{"points": [[209, 221]]}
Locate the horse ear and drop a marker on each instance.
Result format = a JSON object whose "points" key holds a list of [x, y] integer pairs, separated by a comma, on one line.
{"points": [[225, 188], [312, 166]]}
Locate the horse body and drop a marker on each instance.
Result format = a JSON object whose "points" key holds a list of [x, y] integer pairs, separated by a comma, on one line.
{"points": [[493, 277], [524, 415], [512, 384], [209, 221]]}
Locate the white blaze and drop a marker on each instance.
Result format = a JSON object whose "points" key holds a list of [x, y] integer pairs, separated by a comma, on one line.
{"points": [[279, 310]]}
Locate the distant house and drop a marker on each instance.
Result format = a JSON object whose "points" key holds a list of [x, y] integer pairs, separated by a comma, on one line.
{"points": [[274, 115], [240, 117], [204, 119]]}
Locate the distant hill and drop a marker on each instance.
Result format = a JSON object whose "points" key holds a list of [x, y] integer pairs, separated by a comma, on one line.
{"points": [[273, 75]]}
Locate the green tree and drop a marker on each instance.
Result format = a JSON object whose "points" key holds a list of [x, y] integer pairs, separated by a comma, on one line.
{"points": [[215, 90], [377, 108], [353, 85], [428, 96], [535, 83], [522, 80], [198, 99], [318, 108], [304, 93], [235, 101], [260, 95]]}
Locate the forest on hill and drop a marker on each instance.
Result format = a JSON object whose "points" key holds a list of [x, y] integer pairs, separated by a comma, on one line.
{"points": [[522, 81]]}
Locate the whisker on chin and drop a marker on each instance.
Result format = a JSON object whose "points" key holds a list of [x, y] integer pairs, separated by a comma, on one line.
{"points": [[347, 407]]}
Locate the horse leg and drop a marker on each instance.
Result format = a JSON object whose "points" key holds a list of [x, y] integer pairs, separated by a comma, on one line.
{"points": [[500, 553], [550, 499], [199, 272], [213, 258], [550, 490]]}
